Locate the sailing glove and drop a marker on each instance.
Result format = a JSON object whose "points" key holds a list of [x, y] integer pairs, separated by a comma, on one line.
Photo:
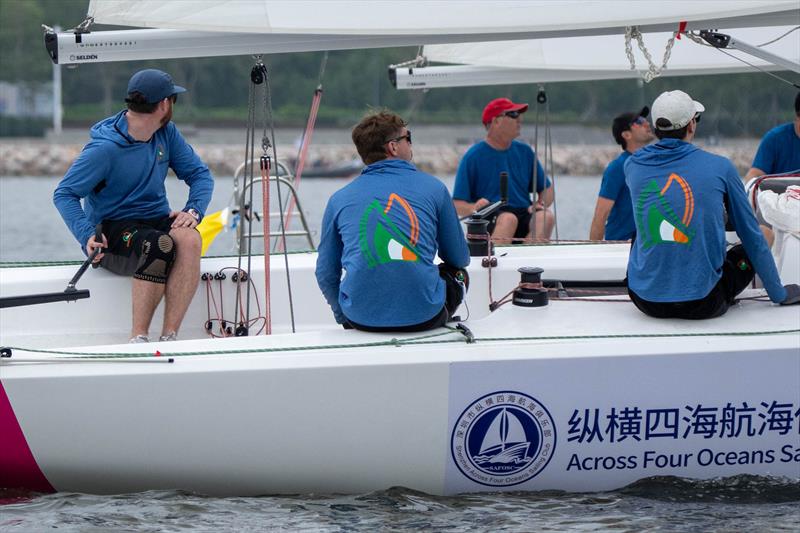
{"points": [[792, 294]]}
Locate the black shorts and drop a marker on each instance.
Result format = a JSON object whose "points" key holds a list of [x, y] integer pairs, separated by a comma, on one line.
{"points": [[737, 273], [125, 238], [454, 294], [523, 220]]}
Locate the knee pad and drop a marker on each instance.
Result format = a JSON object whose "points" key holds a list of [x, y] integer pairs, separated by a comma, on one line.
{"points": [[157, 257]]}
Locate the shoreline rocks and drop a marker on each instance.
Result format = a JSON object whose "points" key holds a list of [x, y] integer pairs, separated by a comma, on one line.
{"points": [[42, 158]]}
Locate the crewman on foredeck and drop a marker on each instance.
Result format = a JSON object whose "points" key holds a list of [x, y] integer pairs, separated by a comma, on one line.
{"points": [[678, 266], [478, 177], [120, 176], [381, 234], [613, 213]]}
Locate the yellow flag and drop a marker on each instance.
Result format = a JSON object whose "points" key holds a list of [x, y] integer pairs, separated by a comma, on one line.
{"points": [[210, 227]]}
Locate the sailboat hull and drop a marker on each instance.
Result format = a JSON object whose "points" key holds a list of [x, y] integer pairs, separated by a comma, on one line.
{"points": [[347, 412]]}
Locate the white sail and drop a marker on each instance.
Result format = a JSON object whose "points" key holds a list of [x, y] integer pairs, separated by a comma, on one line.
{"points": [[438, 17], [607, 53]]}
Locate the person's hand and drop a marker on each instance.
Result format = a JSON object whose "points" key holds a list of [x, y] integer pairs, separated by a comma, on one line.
{"points": [[538, 206], [792, 294], [92, 244], [481, 203], [182, 219]]}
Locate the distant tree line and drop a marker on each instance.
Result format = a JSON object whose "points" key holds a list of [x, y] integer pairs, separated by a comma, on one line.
{"points": [[353, 81]]}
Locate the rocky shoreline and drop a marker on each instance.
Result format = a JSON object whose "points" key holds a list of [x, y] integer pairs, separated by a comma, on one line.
{"points": [[41, 158]]}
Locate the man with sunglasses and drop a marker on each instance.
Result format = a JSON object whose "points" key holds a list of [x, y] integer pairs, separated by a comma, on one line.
{"points": [[613, 214], [120, 177], [478, 178], [678, 265], [381, 234]]}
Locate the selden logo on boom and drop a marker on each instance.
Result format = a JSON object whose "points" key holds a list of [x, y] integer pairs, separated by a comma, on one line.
{"points": [[502, 439]]}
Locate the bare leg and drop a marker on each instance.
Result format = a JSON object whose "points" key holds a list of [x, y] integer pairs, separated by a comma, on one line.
{"points": [[504, 228], [145, 297], [183, 278], [544, 224]]}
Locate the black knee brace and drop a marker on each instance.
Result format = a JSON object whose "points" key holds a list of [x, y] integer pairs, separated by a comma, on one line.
{"points": [[157, 257]]}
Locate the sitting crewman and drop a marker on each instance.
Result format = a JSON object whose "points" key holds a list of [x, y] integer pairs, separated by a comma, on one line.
{"points": [[381, 233], [120, 175], [678, 265], [478, 184]]}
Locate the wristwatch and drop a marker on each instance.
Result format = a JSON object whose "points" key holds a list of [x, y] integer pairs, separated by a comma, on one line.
{"points": [[192, 211]]}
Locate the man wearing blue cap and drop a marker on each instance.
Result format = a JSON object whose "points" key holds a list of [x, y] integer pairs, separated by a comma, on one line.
{"points": [[120, 177]]}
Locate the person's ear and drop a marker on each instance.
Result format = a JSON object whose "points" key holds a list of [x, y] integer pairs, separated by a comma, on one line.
{"points": [[627, 134]]}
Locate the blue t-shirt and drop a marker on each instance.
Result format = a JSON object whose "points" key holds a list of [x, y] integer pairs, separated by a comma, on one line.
{"points": [[678, 193], [121, 178], [779, 151], [479, 171], [620, 225], [383, 230]]}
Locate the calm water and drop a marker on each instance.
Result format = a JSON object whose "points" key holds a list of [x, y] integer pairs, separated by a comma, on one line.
{"points": [[30, 227]]}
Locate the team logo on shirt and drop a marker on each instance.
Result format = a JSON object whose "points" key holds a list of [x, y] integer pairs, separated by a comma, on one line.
{"points": [[160, 152], [380, 240], [657, 219]]}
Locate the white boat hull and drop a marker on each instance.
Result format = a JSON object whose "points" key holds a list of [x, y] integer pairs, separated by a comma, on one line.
{"points": [[606, 395]]}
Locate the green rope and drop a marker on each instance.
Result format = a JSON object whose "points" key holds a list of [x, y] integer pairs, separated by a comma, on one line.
{"points": [[419, 340]]}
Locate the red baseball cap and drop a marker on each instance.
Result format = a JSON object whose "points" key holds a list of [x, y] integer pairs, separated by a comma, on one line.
{"points": [[498, 106]]}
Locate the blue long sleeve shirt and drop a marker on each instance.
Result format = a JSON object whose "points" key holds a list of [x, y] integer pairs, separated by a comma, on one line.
{"points": [[119, 178], [679, 195], [380, 235]]}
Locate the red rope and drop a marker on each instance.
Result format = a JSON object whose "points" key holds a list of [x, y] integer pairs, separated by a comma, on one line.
{"points": [[301, 160]]}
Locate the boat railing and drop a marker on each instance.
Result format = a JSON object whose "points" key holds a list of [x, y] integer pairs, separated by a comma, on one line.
{"points": [[281, 176]]}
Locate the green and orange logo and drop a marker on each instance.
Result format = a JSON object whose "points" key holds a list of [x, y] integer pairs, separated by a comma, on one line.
{"points": [[657, 218], [380, 240]]}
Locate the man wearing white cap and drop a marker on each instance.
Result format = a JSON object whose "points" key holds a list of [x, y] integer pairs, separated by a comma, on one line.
{"points": [[678, 266]]}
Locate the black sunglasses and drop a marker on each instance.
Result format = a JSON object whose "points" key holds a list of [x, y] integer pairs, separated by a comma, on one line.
{"points": [[407, 137], [512, 114]]}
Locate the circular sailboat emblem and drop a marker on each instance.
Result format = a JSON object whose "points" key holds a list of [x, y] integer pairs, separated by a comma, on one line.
{"points": [[502, 439]]}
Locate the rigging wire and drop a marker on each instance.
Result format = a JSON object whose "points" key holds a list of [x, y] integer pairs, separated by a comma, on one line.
{"points": [[776, 39], [699, 40], [270, 119]]}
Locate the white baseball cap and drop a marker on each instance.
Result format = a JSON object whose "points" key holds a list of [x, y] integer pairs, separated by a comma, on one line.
{"points": [[676, 108]]}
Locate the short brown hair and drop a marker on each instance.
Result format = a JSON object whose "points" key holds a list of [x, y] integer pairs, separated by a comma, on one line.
{"points": [[138, 104], [373, 132]]}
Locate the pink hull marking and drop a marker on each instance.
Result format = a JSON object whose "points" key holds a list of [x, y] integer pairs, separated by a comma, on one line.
{"points": [[18, 468]]}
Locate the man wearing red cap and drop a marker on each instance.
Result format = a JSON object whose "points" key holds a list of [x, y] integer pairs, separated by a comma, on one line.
{"points": [[478, 177]]}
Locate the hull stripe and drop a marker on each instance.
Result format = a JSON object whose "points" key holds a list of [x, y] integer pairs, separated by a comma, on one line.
{"points": [[18, 468]]}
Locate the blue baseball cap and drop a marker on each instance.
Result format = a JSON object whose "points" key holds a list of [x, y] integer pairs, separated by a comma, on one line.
{"points": [[154, 85]]}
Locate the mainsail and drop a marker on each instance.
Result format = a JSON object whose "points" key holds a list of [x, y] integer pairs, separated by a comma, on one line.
{"points": [[193, 28], [439, 17]]}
